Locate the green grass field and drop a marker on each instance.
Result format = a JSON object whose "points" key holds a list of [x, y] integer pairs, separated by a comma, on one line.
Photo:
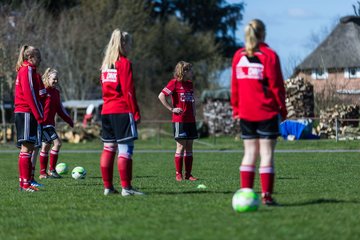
{"points": [[319, 193]]}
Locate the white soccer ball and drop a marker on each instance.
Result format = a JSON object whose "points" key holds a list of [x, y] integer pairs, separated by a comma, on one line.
{"points": [[245, 200], [61, 168], [78, 173]]}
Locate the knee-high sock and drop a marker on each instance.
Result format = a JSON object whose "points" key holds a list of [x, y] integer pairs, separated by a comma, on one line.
{"points": [[188, 159], [178, 161], [107, 165], [267, 178], [43, 159], [125, 171], [247, 176], [54, 154], [25, 168], [33, 163]]}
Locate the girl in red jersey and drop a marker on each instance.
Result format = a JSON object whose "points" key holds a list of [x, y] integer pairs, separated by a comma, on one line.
{"points": [[183, 117], [120, 114], [29, 99], [49, 135], [258, 100]]}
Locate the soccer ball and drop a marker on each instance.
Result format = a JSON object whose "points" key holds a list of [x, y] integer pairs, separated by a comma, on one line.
{"points": [[78, 173], [61, 168], [245, 200]]}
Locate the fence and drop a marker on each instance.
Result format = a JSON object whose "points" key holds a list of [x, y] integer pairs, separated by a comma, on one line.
{"points": [[162, 129]]}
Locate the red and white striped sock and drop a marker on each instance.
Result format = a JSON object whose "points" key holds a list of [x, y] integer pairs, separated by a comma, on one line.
{"points": [[178, 161], [43, 159], [107, 165], [267, 178], [54, 154], [25, 168], [247, 176]]}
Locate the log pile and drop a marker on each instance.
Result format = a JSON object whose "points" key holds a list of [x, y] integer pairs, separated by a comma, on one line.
{"points": [[344, 117], [299, 98], [218, 117], [79, 134]]}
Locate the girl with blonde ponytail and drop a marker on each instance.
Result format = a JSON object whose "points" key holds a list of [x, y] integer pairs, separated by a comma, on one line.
{"points": [[30, 97], [258, 100], [120, 114]]}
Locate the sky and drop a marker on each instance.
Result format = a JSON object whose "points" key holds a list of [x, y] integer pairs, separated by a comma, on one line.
{"points": [[291, 24]]}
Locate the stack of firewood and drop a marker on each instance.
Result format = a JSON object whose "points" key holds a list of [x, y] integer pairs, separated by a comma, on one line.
{"points": [[343, 117], [79, 134], [299, 98], [218, 117]]}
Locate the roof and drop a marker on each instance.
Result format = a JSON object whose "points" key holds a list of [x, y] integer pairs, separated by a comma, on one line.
{"points": [[341, 49]]}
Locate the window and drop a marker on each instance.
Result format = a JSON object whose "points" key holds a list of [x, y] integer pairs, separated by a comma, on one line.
{"points": [[320, 73], [352, 72]]}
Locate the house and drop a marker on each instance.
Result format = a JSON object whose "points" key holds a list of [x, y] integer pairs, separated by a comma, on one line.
{"points": [[334, 66]]}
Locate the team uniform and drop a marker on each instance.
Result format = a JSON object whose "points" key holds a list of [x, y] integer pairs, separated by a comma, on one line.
{"points": [[182, 96], [48, 131], [258, 93], [184, 124], [30, 96], [258, 99], [119, 114]]}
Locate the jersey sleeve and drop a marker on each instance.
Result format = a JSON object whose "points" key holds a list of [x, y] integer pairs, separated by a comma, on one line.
{"points": [[169, 89], [127, 87], [276, 84], [234, 100], [30, 95], [61, 111]]}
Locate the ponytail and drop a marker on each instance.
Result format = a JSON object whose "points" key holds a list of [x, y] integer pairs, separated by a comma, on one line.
{"points": [[115, 48], [254, 34], [26, 52]]}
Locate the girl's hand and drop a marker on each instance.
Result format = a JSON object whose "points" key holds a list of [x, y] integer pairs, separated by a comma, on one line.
{"points": [[177, 110]]}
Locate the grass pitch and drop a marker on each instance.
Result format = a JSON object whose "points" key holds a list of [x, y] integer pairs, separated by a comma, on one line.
{"points": [[319, 193]]}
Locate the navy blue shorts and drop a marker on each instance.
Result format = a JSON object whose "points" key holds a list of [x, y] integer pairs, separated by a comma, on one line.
{"points": [[27, 129], [267, 129], [49, 134], [185, 131], [118, 128]]}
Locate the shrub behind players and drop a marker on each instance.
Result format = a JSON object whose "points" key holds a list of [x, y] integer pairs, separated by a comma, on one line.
{"points": [[258, 99], [120, 114], [29, 95], [49, 135], [183, 117]]}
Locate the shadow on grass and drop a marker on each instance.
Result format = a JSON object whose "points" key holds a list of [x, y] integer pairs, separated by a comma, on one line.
{"points": [[319, 201], [190, 192]]}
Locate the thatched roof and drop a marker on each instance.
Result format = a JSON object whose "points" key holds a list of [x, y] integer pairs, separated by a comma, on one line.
{"points": [[341, 49]]}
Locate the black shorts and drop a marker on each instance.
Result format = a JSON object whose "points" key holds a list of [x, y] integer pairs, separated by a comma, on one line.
{"points": [[120, 128], [27, 129], [268, 129], [185, 130], [49, 134]]}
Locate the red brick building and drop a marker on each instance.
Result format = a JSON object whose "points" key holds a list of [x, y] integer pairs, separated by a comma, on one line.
{"points": [[334, 66]]}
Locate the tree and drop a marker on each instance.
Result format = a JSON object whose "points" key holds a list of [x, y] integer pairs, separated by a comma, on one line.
{"points": [[214, 16]]}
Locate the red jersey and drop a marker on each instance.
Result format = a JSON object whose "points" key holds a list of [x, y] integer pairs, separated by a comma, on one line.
{"points": [[55, 106], [30, 93], [257, 85], [182, 96], [118, 90]]}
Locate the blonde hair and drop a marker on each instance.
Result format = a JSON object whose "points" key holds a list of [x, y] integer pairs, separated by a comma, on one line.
{"points": [[46, 76], [115, 48], [180, 69], [254, 34], [25, 53]]}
